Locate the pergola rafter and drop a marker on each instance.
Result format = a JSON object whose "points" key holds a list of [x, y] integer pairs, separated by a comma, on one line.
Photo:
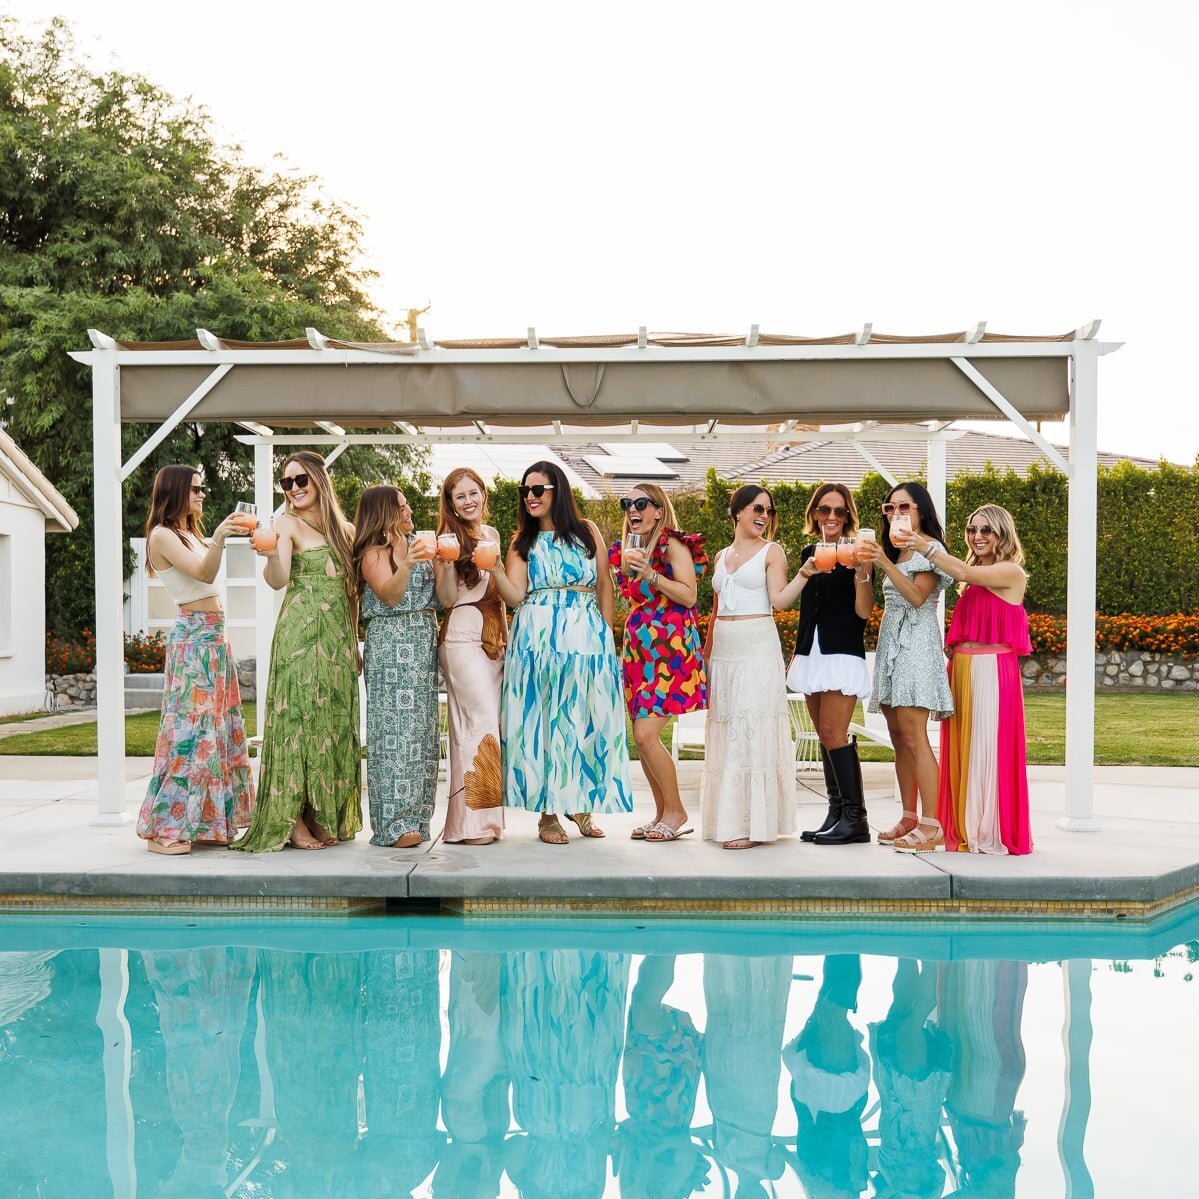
{"points": [[626, 387]]}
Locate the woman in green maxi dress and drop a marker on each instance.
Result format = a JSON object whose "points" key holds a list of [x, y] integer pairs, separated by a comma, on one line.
{"points": [[309, 779]]}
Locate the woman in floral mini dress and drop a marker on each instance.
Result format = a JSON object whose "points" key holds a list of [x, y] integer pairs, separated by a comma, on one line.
{"points": [[661, 663]]}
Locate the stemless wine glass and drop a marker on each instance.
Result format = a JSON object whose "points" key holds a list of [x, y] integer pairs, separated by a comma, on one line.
{"points": [[448, 547], [264, 538], [901, 529], [846, 551], [245, 516], [865, 544], [425, 543], [826, 555], [486, 555]]}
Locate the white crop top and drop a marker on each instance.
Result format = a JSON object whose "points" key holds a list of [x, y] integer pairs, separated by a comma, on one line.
{"points": [[743, 592], [182, 588]]}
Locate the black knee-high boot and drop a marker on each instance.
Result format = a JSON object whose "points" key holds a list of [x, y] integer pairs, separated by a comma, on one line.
{"points": [[852, 828], [834, 799]]}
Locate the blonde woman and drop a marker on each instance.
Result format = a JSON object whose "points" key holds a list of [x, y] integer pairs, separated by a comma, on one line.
{"points": [[201, 789], [309, 780], [747, 790], [982, 802], [663, 672], [473, 635]]}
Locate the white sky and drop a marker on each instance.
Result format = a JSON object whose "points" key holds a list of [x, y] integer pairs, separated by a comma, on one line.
{"points": [[699, 166]]}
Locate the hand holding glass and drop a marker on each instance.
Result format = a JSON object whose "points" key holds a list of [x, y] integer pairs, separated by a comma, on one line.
{"points": [[486, 555], [846, 552], [245, 517], [264, 539], [901, 529], [424, 545], [865, 543], [826, 555], [448, 547]]}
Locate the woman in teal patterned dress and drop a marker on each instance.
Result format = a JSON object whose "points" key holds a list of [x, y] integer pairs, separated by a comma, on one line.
{"points": [[562, 717], [399, 583], [309, 780]]}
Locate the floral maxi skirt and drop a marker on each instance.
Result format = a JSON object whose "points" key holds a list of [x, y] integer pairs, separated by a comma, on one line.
{"points": [[201, 788]]}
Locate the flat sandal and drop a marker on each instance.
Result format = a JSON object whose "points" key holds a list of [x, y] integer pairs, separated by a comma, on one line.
{"points": [[893, 834], [918, 841]]}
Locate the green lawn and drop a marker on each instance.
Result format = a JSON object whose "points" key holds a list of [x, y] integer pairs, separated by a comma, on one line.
{"points": [[23, 716], [1130, 730]]}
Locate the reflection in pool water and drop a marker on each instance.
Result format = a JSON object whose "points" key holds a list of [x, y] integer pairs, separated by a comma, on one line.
{"points": [[477, 1066]]}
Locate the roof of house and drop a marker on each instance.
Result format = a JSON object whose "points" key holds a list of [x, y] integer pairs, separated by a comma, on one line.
{"points": [[16, 466]]}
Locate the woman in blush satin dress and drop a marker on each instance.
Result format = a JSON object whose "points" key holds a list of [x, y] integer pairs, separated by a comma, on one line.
{"points": [[471, 652]]}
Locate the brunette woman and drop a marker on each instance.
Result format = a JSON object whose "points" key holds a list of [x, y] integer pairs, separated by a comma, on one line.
{"points": [[663, 671], [201, 788], [309, 787], [829, 668], [564, 744], [909, 678], [401, 587], [747, 790], [473, 635], [983, 798]]}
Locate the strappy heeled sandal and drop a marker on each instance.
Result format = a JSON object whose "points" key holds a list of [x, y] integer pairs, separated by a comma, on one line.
{"points": [[918, 841], [893, 834], [551, 832], [586, 825]]}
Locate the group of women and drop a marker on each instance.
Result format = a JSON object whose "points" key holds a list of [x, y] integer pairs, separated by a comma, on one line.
{"points": [[537, 712]]}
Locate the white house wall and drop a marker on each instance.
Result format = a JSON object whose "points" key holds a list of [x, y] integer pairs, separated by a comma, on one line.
{"points": [[22, 602]]}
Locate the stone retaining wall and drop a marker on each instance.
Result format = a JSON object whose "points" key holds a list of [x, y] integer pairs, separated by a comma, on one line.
{"points": [[72, 690], [1129, 669]]}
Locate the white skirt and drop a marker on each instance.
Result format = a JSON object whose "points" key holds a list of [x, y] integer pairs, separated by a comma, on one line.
{"points": [[748, 784], [814, 672]]}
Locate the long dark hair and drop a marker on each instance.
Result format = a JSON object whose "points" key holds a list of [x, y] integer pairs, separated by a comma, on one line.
{"points": [[930, 522], [377, 522], [448, 521], [564, 513], [170, 506], [338, 531]]}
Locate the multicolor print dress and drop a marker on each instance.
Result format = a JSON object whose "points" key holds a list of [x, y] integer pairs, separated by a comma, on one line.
{"points": [[663, 671], [310, 754], [565, 746], [201, 788]]}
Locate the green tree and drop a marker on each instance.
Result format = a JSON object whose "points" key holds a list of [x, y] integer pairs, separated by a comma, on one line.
{"points": [[120, 210]]}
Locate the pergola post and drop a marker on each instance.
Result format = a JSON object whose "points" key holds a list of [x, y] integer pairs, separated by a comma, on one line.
{"points": [[109, 539], [937, 472], [264, 597], [1080, 591]]}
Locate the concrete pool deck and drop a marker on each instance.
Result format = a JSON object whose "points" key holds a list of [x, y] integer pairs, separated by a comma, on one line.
{"points": [[1143, 861]]}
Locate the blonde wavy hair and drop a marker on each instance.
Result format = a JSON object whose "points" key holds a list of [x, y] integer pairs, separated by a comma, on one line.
{"points": [[656, 496], [338, 531], [1007, 540]]}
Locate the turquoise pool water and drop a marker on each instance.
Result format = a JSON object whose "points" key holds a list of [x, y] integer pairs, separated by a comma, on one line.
{"points": [[429, 1056]]}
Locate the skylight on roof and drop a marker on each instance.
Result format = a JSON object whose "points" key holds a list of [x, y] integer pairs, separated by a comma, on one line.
{"points": [[647, 449], [613, 466]]}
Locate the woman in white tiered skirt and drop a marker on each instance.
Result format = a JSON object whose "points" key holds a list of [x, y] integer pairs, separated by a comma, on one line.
{"points": [[747, 791]]}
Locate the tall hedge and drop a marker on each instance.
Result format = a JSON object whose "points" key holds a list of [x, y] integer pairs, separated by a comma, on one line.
{"points": [[1148, 560]]}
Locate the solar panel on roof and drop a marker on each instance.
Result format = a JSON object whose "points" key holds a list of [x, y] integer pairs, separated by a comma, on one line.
{"points": [[644, 449], [612, 466]]}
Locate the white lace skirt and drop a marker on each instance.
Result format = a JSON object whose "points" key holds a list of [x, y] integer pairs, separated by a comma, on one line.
{"points": [[748, 784], [814, 672]]}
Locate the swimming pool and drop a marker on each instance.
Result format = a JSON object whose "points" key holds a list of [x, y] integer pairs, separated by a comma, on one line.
{"points": [[433, 1056]]}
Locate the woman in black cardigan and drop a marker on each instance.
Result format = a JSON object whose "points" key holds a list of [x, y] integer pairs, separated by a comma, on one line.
{"points": [[829, 668]]}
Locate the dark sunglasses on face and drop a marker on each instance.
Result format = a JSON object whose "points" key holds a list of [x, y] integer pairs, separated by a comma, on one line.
{"points": [[199, 491], [890, 509], [536, 490], [825, 511], [974, 530], [640, 504], [758, 510], [300, 481]]}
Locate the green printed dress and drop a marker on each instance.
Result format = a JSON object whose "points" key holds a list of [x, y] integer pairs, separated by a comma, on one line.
{"points": [[310, 754]]}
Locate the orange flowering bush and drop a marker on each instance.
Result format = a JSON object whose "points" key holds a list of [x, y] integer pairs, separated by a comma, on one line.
{"points": [[1176, 635], [145, 653]]}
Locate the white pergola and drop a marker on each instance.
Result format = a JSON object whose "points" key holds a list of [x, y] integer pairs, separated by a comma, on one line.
{"points": [[685, 388]]}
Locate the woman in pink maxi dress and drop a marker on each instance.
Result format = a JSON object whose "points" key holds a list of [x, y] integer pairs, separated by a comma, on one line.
{"points": [[983, 797]]}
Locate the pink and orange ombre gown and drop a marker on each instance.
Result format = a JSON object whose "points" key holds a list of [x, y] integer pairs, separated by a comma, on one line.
{"points": [[983, 799]]}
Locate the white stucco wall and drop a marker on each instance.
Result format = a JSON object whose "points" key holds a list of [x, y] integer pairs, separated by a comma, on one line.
{"points": [[22, 602]]}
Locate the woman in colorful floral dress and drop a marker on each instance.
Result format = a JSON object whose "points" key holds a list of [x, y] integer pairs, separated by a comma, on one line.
{"points": [[201, 789], [309, 785], [663, 671], [564, 745]]}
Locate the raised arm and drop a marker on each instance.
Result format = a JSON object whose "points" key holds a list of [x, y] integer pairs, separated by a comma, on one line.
{"points": [[916, 589], [277, 570], [605, 590], [683, 588], [511, 576], [387, 583], [782, 594], [446, 581], [1006, 579], [166, 546]]}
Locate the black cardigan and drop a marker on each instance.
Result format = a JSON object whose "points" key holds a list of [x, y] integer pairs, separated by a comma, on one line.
{"points": [[828, 603]]}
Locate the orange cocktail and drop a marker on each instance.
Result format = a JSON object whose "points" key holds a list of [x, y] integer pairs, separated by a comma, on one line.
{"points": [[264, 539], [425, 544], [486, 555], [846, 552], [448, 547], [865, 546], [901, 529], [826, 555]]}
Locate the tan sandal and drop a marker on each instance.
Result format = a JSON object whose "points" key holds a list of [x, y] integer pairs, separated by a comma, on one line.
{"points": [[663, 832], [740, 843], [170, 848], [918, 841], [587, 826], [551, 832], [893, 834]]}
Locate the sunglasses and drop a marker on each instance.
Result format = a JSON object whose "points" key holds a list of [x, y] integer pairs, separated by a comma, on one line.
{"points": [[199, 491], [759, 510], [826, 511], [974, 530], [536, 490], [891, 509], [300, 481], [640, 504]]}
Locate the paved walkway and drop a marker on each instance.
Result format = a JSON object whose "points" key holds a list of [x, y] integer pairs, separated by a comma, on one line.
{"points": [[1145, 856]]}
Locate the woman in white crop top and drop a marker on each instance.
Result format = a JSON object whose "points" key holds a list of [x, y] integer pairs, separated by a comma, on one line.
{"points": [[201, 788], [747, 791]]}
